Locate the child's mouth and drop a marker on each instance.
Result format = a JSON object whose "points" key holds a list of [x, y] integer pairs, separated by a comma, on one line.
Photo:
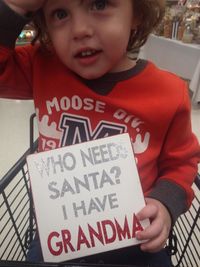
{"points": [[87, 53], [88, 56]]}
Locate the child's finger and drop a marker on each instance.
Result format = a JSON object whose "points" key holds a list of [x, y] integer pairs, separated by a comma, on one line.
{"points": [[155, 244], [151, 232], [148, 212]]}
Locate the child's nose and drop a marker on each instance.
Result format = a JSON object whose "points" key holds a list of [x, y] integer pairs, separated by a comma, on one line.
{"points": [[82, 28]]}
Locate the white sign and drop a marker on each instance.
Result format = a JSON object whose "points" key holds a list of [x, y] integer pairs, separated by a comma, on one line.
{"points": [[86, 198]]}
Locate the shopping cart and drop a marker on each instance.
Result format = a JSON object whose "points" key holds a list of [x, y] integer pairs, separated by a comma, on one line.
{"points": [[17, 221], [184, 241], [18, 226]]}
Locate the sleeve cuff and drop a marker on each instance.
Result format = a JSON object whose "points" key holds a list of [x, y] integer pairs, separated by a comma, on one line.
{"points": [[172, 196], [11, 25]]}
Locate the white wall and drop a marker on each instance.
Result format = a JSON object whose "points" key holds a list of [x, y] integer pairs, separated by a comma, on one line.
{"points": [[14, 131]]}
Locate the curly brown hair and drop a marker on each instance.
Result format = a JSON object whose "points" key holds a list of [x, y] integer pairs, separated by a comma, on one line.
{"points": [[148, 13]]}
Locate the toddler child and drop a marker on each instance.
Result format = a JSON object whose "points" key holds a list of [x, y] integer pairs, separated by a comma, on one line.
{"points": [[85, 86]]}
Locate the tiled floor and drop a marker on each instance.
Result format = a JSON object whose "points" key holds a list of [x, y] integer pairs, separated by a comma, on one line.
{"points": [[14, 134]]}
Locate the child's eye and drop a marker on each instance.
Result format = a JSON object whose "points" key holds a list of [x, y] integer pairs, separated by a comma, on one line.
{"points": [[60, 14], [99, 4]]}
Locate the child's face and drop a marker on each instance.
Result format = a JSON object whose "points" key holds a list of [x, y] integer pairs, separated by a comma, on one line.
{"points": [[91, 36]]}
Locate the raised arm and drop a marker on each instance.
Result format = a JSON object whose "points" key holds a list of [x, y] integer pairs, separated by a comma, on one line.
{"points": [[23, 7], [15, 63]]}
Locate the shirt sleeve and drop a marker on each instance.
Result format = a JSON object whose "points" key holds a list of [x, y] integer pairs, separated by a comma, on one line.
{"points": [[15, 63], [178, 162], [11, 25]]}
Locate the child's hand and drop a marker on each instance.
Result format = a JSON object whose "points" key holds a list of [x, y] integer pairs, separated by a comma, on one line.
{"points": [[157, 232], [24, 6]]}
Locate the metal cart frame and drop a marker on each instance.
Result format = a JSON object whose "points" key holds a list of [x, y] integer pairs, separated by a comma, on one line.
{"points": [[18, 225]]}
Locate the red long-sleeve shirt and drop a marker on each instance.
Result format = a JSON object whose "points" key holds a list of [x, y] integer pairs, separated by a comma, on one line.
{"points": [[151, 104]]}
